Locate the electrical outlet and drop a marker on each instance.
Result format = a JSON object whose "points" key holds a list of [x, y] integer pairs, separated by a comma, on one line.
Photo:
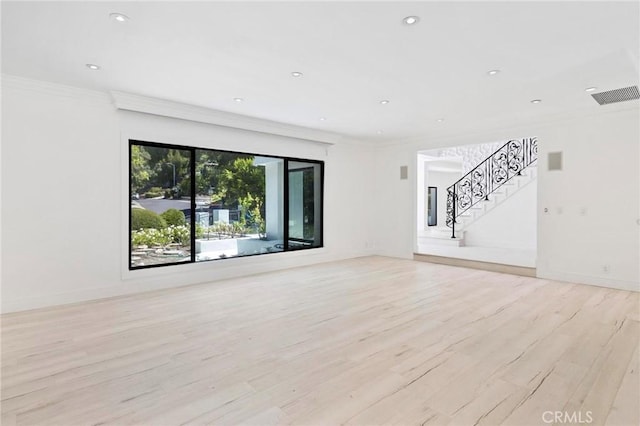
{"points": [[583, 211], [606, 269]]}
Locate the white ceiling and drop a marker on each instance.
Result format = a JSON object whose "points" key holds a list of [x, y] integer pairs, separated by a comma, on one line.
{"points": [[352, 54]]}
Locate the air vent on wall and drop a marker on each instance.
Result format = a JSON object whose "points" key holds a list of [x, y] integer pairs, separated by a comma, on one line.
{"points": [[617, 95]]}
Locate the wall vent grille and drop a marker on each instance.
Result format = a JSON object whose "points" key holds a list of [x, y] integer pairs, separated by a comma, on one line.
{"points": [[617, 95]]}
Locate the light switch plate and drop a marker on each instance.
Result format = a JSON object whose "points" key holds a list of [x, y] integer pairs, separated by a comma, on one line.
{"points": [[404, 172]]}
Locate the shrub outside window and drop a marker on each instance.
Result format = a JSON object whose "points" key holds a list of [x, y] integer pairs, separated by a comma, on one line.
{"points": [[192, 205]]}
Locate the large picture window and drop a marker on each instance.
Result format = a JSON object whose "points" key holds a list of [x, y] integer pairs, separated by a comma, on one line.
{"points": [[192, 204]]}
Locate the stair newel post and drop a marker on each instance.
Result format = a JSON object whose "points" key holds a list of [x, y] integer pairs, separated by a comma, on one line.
{"points": [[453, 217]]}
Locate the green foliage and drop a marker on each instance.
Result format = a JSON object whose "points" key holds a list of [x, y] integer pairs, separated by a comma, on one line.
{"points": [[207, 171], [140, 170], [161, 237], [199, 231], [215, 198], [174, 217], [146, 219], [251, 207], [184, 187], [237, 229], [229, 179], [150, 237], [159, 163], [221, 230], [154, 192], [164, 168], [240, 180], [179, 234]]}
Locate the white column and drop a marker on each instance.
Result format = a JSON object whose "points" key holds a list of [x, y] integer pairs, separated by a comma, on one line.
{"points": [[296, 205], [274, 194]]}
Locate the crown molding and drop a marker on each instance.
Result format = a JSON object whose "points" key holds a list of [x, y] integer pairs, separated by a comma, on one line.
{"points": [[513, 130], [55, 89], [137, 103], [162, 107]]}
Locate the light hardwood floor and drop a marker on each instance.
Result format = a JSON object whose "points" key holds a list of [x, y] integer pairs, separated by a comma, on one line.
{"points": [[365, 341]]}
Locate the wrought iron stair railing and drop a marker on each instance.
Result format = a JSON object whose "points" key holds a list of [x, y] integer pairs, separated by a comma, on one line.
{"points": [[497, 169]]}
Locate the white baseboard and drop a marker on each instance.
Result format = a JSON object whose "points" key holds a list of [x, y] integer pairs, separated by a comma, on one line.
{"points": [[388, 253], [128, 287], [124, 288], [589, 280]]}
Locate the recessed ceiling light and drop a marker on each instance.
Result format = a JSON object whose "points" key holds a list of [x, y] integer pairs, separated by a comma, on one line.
{"points": [[536, 101], [379, 132], [440, 120], [238, 99], [119, 17], [411, 20], [93, 67], [590, 89], [384, 102], [296, 74], [493, 72], [323, 118]]}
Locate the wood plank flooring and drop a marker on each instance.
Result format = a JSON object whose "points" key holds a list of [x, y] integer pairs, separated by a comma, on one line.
{"points": [[360, 342], [525, 271]]}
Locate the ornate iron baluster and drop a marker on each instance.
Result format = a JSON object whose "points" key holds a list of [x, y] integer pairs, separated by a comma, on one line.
{"points": [[514, 156]]}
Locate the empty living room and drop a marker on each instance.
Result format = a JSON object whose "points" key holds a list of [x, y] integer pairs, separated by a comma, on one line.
{"points": [[320, 213]]}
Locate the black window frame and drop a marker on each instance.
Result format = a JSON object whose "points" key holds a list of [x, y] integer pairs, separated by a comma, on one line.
{"points": [[192, 174], [287, 213]]}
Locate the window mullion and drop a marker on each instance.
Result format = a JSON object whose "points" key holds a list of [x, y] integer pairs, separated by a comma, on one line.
{"points": [[192, 173], [285, 202]]}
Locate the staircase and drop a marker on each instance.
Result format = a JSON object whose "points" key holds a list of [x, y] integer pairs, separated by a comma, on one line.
{"points": [[489, 183]]}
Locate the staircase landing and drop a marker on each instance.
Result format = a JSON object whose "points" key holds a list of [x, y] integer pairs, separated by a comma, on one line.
{"points": [[474, 257], [474, 264], [441, 236]]}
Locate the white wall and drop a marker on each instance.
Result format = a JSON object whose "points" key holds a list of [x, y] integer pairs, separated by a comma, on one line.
{"points": [[64, 196], [591, 232], [441, 180], [469, 155], [394, 208], [64, 201], [430, 172], [421, 196], [601, 175], [509, 224]]}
